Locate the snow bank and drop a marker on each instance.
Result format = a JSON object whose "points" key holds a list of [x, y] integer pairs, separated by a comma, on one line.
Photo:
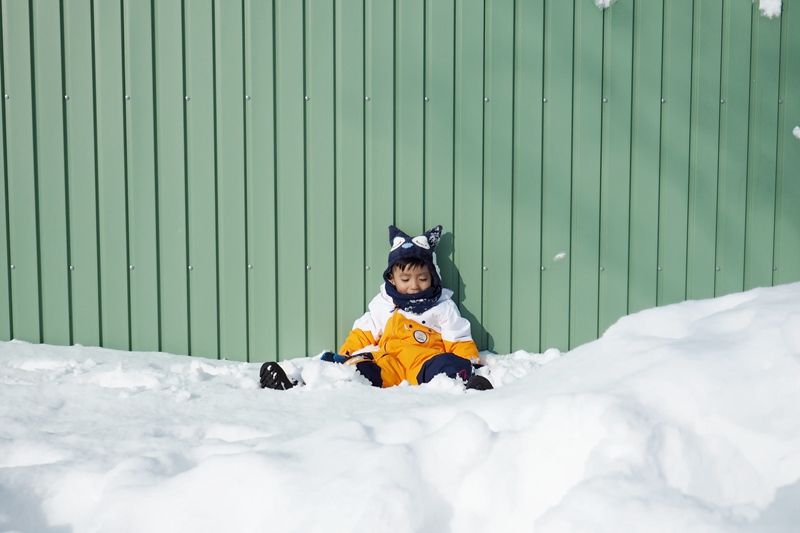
{"points": [[683, 418]]}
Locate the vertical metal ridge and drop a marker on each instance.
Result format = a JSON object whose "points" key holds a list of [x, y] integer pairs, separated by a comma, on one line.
{"points": [[634, 32], [571, 184], [157, 213], [363, 151], [394, 110], [128, 244], [65, 134], [335, 155], [715, 288], [247, 355], [425, 91], [513, 164], [601, 140], [454, 63], [275, 261], [541, 347], [483, 312], [4, 147], [660, 158], [693, 39], [186, 214], [214, 106], [96, 179], [35, 146], [749, 170], [304, 54], [780, 144]]}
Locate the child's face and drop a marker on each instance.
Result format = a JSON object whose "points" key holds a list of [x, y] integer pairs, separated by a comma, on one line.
{"points": [[412, 280]]}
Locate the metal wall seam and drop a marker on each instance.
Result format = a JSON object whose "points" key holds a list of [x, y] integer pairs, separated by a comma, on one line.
{"points": [[6, 316], [468, 162], [583, 253], [21, 166], [171, 144], [409, 180], [141, 176], [230, 181], [350, 186], [786, 262], [733, 156], [645, 155], [290, 200], [438, 130], [498, 172], [527, 174], [321, 177], [704, 150], [557, 173], [762, 161], [674, 169], [50, 172], [379, 139], [260, 169], [615, 208]]}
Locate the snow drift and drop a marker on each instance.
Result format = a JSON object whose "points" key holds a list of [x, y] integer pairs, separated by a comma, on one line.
{"points": [[682, 418]]}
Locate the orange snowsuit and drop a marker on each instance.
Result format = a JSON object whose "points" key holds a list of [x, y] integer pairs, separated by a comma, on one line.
{"points": [[402, 342]]}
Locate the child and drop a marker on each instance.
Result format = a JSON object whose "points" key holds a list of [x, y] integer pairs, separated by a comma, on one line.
{"points": [[412, 331]]}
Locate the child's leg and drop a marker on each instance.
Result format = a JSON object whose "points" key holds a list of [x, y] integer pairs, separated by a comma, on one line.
{"points": [[371, 371], [445, 363], [364, 363]]}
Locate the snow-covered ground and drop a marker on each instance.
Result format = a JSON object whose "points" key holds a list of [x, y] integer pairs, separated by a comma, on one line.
{"points": [[682, 419]]}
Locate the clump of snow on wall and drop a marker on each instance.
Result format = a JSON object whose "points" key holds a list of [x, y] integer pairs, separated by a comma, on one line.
{"points": [[603, 4], [796, 131], [770, 8]]}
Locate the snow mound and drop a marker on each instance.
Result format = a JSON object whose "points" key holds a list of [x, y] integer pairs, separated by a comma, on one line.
{"points": [[682, 418]]}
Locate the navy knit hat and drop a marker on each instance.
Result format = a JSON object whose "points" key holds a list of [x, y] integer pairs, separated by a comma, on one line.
{"points": [[420, 247]]}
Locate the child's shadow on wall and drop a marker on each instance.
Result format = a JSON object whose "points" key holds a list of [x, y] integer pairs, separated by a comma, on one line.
{"points": [[451, 279]]}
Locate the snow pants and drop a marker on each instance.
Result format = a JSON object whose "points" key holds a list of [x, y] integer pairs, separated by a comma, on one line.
{"points": [[449, 364]]}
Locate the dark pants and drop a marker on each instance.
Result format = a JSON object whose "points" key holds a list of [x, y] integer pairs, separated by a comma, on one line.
{"points": [[448, 364]]}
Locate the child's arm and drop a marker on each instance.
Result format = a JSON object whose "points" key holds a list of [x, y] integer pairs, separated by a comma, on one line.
{"points": [[367, 330], [456, 333], [356, 341], [364, 336]]}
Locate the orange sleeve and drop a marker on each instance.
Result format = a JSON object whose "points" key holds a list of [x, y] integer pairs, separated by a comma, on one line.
{"points": [[357, 340], [466, 349]]}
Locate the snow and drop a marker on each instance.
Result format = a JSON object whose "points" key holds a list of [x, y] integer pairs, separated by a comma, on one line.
{"points": [[681, 418], [770, 8], [604, 4]]}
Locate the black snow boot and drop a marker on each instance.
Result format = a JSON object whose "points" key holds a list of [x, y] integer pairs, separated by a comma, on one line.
{"points": [[479, 383], [274, 377]]}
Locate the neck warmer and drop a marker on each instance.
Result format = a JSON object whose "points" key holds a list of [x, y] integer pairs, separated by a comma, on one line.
{"points": [[414, 303]]}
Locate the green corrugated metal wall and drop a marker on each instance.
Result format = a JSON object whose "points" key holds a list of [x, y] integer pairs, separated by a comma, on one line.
{"points": [[216, 178]]}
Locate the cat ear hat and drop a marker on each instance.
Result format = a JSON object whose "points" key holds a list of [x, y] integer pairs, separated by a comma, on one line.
{"points": [[419, 247]]}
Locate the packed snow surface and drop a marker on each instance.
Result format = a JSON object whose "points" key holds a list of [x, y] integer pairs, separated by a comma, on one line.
{"points": [[684, 418]]}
